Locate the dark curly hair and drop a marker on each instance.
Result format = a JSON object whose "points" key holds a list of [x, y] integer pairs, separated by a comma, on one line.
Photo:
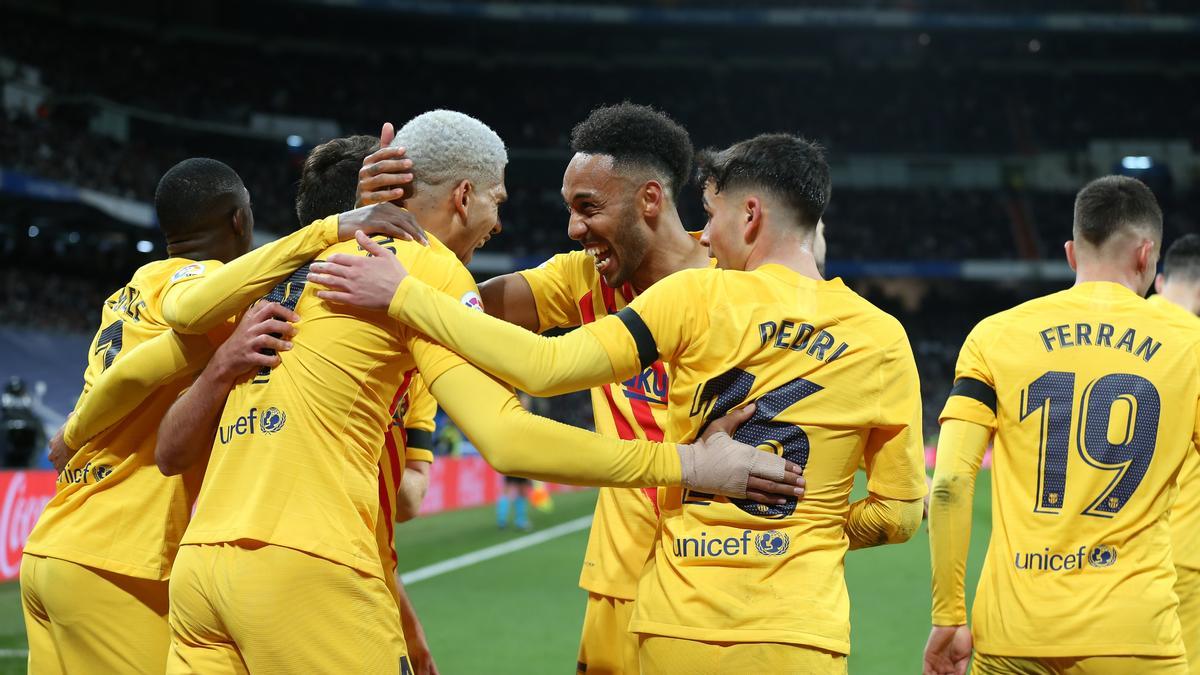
{"points": [[329, 179], [1183, 258], [637, 136], [791, 167]]}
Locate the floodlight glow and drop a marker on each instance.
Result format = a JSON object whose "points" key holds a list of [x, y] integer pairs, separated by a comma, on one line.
{"points": [[294, 141], [34, 230], [145, 246], [1136, 162]]}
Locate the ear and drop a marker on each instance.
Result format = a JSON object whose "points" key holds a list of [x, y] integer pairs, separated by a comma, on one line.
{"points": [[1144, 253], [238, 221], [652, 197], [754, 213], [1158, 283], [1069, 247], [462, 197]]}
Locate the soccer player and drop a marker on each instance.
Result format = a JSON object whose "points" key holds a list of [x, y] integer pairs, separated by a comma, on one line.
{"points": [[96, 564], [328, 184], [620, 189], [735, 586], [1089, 396], [1178, 292], [290, 496]]}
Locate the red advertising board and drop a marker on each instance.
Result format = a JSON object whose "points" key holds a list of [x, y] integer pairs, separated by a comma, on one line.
{"points": [[24, 495]]}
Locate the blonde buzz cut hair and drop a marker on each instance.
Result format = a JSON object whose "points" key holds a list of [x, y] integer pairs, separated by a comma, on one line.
{"points": [[445, 145]]}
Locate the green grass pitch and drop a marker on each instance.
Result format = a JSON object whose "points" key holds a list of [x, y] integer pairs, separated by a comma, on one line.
{"points": [[522, 612]]}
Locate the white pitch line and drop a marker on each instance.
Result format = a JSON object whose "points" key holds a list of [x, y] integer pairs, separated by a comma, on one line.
{"points": [[13, 653], [467, 559]]}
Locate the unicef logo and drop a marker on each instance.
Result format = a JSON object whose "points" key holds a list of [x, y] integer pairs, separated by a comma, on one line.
{"points": [[1102, 555], [101, 472], [273, 420], [772, 542]]}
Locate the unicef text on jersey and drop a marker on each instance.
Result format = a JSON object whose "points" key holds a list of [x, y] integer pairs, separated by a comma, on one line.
{"points": [[269, 421], [769, 543], [1101, 555]]}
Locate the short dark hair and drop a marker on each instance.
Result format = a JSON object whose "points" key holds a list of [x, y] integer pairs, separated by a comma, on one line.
{"points": [[189, 191], [639, 136], [792, 168], [329, 179], [1183, 258], [1113, 203]]}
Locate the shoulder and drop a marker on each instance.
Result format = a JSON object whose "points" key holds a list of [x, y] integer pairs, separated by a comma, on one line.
{"points": [[575, 268]]}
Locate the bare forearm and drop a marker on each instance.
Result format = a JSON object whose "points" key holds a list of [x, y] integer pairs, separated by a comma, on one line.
{"points": [[185, 435], [877, 521], [413, 485]]}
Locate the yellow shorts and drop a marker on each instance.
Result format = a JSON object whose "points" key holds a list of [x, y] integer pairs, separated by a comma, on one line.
{"points": [[1187, 587], [84, 620], [270, 609], [606, 646], [667, 655], [987, 664]]}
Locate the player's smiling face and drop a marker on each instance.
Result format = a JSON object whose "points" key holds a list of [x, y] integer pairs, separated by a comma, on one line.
{"points": [[723, 233], [482, 219], [604, 217]]}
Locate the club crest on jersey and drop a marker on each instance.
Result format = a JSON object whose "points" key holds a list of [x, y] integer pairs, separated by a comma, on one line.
{"points": [[272, 420], [772, 542], [187, 271], [471, 299]]}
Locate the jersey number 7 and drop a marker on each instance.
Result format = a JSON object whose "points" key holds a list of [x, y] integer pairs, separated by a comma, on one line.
{"points": [[1133, 396], [725, 392]]}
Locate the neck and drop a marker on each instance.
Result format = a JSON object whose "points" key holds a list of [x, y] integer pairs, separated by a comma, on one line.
{"points": [[1183, 294], [671, 249], [793, 250], [435, 217], [1103, 271], [199, 247]]}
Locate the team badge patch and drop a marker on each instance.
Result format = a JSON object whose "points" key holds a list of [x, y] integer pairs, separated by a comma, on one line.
{"points": [[471, 299], [273, 420], [188, 271]]}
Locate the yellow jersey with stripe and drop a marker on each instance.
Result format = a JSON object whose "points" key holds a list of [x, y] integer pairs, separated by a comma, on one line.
{"points": [[409, 438], [295, 461], [569, 292], [113, 510], [1092, 395], [834, 381], [1185, 513]]}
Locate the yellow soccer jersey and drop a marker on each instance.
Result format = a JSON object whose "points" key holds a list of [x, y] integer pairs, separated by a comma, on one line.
{"points": [[570, 292], [1092, 393], [295, 461], [113, 509], [834, 380], [409, 438], [1185, 514]]}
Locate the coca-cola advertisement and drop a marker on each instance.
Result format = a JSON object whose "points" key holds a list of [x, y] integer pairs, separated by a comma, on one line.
{"points": [[25, 495]]}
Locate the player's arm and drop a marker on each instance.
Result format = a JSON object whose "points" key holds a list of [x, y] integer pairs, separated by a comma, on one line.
{"points": [[516, 442], [894, 457], [610, 350], [414, 634], [968, 422], [126, 384], [536, 299], [185, 434], [509, 297], [418, 450], [199, 305]]}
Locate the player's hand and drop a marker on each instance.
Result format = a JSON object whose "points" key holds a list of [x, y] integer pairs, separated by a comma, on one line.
{"points": [[419, 655], [386, 174], [718, 464], [948, 650], [386, 219], [265, 331], [365, 281], [60, 452]]}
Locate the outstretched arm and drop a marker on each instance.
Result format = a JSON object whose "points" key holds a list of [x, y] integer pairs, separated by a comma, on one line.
{"points": [[125, 385], [516, 442], [186, 432], [539, 365], [201, 304]]}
